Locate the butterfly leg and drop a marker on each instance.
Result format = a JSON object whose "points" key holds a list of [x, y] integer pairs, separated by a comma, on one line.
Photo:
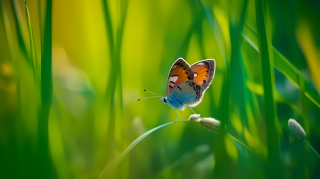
{"points": [[176, 114], [193, 111], [182, 115]]}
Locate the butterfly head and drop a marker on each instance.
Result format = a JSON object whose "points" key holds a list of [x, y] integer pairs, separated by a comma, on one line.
{"points": [[164, 100]]}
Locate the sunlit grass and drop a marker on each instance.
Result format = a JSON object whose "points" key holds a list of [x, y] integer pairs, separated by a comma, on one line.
{"points": [[70, 74]]}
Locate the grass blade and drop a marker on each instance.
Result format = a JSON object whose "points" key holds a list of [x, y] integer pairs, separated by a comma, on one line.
{"points": [[238, 141], [314, 150], [115, 76], [216, 30], [34, 60], [258, 89], [273, 163], [20, 28], [111, 166], [285, 67], [44, 160], [112, 79]]}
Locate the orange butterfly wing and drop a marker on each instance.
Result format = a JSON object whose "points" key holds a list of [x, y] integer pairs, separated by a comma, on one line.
{"points": [[179, 72], [204, 72]]}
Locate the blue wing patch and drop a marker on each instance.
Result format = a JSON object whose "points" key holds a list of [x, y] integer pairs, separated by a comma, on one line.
{"points": [[187, 93]]}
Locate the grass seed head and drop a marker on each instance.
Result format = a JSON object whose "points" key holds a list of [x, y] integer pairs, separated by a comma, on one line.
{"points": [[210, 123], [296, 128]]}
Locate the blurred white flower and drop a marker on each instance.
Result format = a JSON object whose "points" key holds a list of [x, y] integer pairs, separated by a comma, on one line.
{"points": [[296, 128]]}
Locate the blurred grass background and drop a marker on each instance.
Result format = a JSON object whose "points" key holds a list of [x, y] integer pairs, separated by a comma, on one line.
{"points": [[71, 71]]}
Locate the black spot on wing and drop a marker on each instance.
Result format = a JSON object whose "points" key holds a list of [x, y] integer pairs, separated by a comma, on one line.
{"points": [[179, 88]]}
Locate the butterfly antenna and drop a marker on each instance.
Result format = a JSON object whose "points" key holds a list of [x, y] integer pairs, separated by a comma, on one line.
{"points": [[151, 92], [149, 97]]}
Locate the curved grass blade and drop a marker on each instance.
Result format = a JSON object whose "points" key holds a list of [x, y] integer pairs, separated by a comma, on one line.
{"points": [[234, 29], [264, 36], [314, 150], [216, 30], [33, 49], [44, 161], [285, 67], [40, 20], [21, 31], [258, 89], [238, 141], [166, 172], [111, 166]]}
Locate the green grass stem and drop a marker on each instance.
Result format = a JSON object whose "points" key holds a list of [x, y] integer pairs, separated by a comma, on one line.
{"points": [[21, 36], [111, 166], [314, 150], [33, 49], [285, 67], [239, 142], [44, 160], [273, 164]]}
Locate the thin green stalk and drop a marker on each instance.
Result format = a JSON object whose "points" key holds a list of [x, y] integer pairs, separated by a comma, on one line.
{"points": [[115, 71], [238, 141], [20, 31], [285, 67], [44, 161], [110, 167], [113, 164], [273, 164], [223, 160], [314, 150], [40, 21], [122, 10], [112, 79], [32, 43]]}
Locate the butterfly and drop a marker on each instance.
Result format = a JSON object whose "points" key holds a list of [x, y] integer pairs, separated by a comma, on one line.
{"points": [[186, 84]]}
